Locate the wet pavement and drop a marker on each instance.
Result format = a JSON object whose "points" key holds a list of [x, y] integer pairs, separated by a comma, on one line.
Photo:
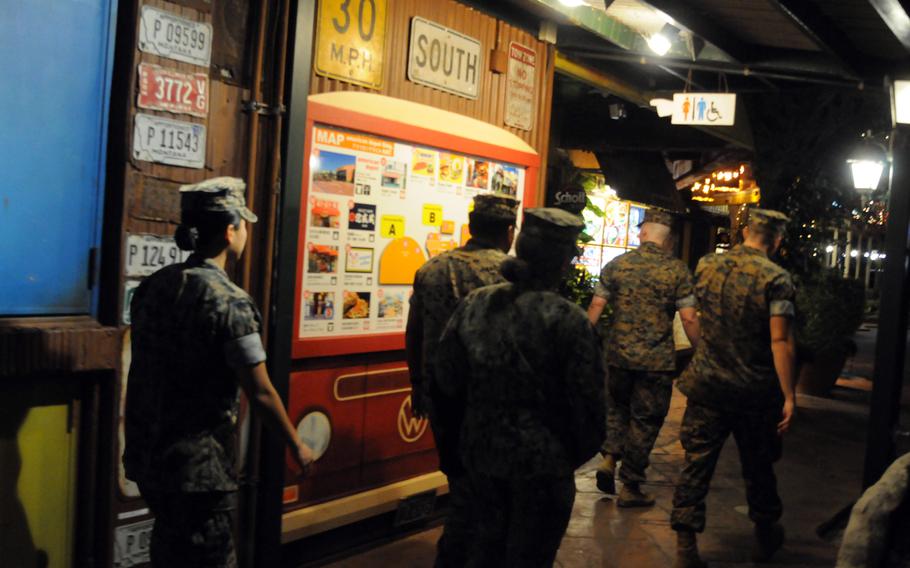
{"points": [[820, 473]]}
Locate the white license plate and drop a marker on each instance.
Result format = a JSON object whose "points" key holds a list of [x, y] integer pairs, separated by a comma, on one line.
{"points": [[168, 35], [131, 543], [146, 254], [172, 142]]}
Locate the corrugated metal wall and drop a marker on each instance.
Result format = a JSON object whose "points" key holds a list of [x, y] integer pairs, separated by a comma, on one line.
{"points": [[490, 105]]}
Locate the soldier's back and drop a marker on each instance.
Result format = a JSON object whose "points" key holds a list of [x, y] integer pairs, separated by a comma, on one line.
{"points": [[642, 288], [733, 363]]}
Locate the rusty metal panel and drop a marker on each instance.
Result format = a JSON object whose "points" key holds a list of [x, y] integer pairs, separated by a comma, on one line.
{"points": [[232, 22], [490, 105]]}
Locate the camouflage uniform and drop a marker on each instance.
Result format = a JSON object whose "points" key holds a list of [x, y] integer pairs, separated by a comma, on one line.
{"points": [[643, 289], [190, 327], [731, 383], [526, 366], [439, 286]]}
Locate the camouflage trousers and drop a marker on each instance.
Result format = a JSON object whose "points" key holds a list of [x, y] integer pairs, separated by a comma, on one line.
{"points": [[519, 522], [703, 433], [192, 529], [458, 531], [637, 403]]}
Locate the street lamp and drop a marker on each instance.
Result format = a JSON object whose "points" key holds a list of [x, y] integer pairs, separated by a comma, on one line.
{"points": [[867, 164]]}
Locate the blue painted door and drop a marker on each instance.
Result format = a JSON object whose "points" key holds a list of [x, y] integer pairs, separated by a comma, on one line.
{"points": [[55, 60]]}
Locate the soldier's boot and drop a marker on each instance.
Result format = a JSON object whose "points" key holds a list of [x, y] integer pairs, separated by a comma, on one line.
{"points": [[606, 472], [687, 551], [769, 537], [632, 496]]}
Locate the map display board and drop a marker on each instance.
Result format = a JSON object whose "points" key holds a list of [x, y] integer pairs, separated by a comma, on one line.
{"points": [[376, 210]]}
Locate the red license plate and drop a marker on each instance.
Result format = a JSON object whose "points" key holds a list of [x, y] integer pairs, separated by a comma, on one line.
{"points": [[173, 91]]}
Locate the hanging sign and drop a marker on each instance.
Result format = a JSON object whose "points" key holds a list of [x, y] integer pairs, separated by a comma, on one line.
{"points": [[705, 109], [172, 142], [168, 35], [520, 86], [350, 41], [172, 91], [444, 59]]}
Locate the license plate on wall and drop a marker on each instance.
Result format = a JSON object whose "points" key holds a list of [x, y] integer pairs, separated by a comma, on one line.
{"points": [[168, 35], [131, 543], [166, 89], [146, 254], [172, 142]]}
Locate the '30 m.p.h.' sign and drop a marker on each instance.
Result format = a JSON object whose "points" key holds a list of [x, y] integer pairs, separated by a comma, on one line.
{"points": [[444, 59]]}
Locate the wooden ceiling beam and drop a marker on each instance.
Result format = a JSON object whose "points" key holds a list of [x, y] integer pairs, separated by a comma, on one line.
{"points": [[895, 15], [823, 32]]}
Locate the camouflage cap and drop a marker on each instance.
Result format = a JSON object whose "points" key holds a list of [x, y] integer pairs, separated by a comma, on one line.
{"points": [[552, 224], [769, 218], [658, 216], [217, 194], [496, 206]]}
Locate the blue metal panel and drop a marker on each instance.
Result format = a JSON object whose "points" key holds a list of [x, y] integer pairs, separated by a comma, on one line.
{"points": [[55, 75]]}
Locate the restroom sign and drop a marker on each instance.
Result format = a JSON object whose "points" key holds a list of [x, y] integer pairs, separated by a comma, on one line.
{"points": [[444, 59], [704, 109]]}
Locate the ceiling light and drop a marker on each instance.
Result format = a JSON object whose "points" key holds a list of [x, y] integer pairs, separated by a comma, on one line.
{"points": [[661, 42], [572, 3]]}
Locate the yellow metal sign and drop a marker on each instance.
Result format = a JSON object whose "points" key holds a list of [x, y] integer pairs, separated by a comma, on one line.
{"points": [[350, 41]]}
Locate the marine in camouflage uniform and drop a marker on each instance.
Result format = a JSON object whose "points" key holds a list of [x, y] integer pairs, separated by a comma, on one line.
{"points": [[192, 329], [643, 290], [439, 286], [733, 384], [526, 366]]}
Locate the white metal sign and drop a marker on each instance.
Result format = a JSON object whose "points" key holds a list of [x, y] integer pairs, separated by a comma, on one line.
{"points": [[173, 142], [520, 86], [129, 288], [168, 35], [706, 109], [145, 254], [444, 59], [131, 543]]}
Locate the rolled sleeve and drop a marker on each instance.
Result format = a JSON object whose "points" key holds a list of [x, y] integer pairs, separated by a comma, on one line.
{"points": [[687, 302], [245, 351], [602, 288], [780, 295], [685, 289], [782, 308]]}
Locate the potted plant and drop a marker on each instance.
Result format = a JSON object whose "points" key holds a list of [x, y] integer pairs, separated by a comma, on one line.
{"points": [[829, 310]]}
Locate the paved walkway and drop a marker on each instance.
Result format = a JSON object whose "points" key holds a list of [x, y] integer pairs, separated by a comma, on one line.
{"points": [[819, 474]]}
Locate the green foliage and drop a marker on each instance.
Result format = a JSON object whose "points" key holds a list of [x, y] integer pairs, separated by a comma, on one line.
{"points": [[579, 287], [802, 140], [829, 311]]}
